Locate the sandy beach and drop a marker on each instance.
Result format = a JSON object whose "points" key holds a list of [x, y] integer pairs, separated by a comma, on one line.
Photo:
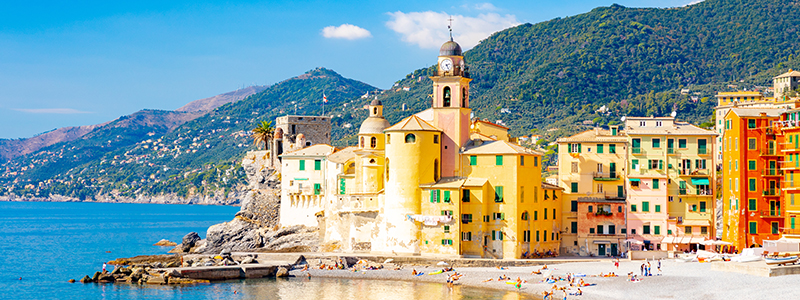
{"points": [[678, 280]]}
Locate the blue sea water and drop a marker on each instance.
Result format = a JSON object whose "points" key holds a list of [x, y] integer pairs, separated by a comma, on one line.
{"points": [[44, 244]]}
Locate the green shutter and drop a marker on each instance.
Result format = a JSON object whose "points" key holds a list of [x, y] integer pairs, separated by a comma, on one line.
{"points": [[498, 160], [645, 206], [753, 228], [447, 196], [573, 187], [317, 165], [657, 230], [751, 204], [633, 207], [612, 148], [600, 148], [702, 206], [317, 188], [660, 164], [535, 215], [656, 143], [302, 165], [433, 196], [656, 184], [498, 194], [751, 164], [473, 160], [658, 208], [752, 184], [438, 196], [342, 186], [579, 148]]}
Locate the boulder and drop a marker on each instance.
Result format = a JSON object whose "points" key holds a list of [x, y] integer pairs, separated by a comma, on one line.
{"points": [[137, 274], [165, 243], [71, 281], [96, 276], [248, 260], [106, 277], [156, 280], [189, 241], [86, 279], [282, 272]]}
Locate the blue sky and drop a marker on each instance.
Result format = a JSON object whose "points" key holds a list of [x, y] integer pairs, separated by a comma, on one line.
{"points": [[71, 64]]}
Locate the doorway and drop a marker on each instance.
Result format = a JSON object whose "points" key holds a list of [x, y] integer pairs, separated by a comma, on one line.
{"points": [[601, 249]]}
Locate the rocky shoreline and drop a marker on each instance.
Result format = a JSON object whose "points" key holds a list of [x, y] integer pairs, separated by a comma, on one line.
{"points": [[233, 199]]}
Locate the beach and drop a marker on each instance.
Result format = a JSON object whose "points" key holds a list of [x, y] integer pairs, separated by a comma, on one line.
{"points": [[678, 280]]}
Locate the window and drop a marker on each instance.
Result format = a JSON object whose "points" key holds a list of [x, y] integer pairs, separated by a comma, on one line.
{"points": [[373, 142], [522, 160], [498, 194], [658, 123], [633, 207], [524, 216], [446, 196], [466, 236], [687, 230], [535, 215], [599, 148], [447, 95], [574, 166], [751, 184], [411, 138], [591, 230], [537, 235], [435, 138], [466, 218], [635, 164], [656, 184], [362, 142], [656, 164], [447, 242], [388, 138], [573, 227], [302, 165], [573, 187], [751, 123], [751, 204], [545, 214], [645, 206], [633, 231], [498, 160], [446, 229], [526, 236], [636, 145], [498, 216], [317, 165], [646, 229], [435, 196], [465, 196], [642, 123], [703, 229], [702, 206], [656, 143], [574, 206], [612, 149], [657, 230], [535, 161], [317, 188], [751, 144], [473, 160], [599, 229], [486, 218], [590, 208], [753, 228], [658, 208], [544, 235], [751, 165], [682, 143], [619, 208], [574, 148], [612, 229]]}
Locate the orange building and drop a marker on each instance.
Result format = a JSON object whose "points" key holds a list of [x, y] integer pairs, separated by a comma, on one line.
{"points": [[752, 173], [790, 129]]}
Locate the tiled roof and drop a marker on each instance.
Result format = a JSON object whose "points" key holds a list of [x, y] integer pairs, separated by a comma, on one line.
{"points": [[592, 136], [679, 128], [313, 150], [342, 156], [412, 123], [791, 73], [756, 112]]}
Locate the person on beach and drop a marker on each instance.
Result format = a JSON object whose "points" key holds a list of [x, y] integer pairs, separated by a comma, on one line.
{"points": [[616, 263], [641, 269], [648, 269], [565, 293], [414, 272], [659, 265]]}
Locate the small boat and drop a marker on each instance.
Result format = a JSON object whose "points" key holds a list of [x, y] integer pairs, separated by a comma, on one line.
{"points": [[746, 258], [780, 260]]}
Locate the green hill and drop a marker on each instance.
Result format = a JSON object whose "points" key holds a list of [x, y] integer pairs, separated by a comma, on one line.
{"points": [[546, 78]]}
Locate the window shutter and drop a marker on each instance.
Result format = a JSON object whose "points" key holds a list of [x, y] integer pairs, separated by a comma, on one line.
{"points": [[433, 196]]}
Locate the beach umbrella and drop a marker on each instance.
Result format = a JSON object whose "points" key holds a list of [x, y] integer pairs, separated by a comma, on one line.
{"points": [[388, 261], [441, 263]]}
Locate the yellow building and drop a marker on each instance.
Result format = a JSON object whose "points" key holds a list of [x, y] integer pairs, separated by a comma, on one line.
{"points": [[439, 184]]}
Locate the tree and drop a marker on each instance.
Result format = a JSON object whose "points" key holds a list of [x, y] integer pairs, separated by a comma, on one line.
{"points": [[263, 134]]}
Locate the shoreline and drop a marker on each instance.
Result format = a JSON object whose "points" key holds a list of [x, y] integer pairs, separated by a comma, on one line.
{"points": [[71, 200]]}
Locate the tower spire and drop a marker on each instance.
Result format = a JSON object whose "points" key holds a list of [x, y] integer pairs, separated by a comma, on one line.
{"points": [[450, 27]]}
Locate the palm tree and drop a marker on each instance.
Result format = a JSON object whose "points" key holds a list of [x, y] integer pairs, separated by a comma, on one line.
{"points": [[263, 134]]}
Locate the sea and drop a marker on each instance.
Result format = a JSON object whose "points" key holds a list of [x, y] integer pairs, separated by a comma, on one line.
{"points": [[44, 244]]}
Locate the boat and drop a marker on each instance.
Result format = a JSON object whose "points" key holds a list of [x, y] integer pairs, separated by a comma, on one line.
{"points": [[780, 260], [746, 258]]}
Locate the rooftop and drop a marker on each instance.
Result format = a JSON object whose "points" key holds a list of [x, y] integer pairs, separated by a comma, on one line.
{"points": [[412, 123], [313, 150], [498, 147], [594, 135], [791, 73], [756, 112], [342, 156]]}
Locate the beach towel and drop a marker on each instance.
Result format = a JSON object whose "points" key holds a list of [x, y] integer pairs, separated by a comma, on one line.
{"points": [[420, 274], [436, 272]]}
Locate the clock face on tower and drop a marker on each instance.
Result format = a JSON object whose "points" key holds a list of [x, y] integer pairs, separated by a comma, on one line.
{"points": [[446, 64]]}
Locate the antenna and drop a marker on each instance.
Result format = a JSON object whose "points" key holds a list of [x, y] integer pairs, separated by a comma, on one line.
{"points": [[450, 27]]}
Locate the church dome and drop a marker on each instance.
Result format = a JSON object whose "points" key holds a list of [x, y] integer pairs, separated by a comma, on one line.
{"points": [[373, 125], [450, 48], [375, 102]]}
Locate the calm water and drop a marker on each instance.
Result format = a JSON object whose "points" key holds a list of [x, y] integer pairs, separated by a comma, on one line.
{"points": [[48, 243]]}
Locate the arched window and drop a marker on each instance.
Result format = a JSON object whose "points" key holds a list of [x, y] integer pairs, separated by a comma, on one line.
{"points": [[373, 142], [372, 161], [464, 97], [411, 138], [525, 216], [435, 170], [362, 142], [388, 138], [447, 96], [374, 110]]}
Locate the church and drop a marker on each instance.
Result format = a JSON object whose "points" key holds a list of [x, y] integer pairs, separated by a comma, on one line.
{"points": [[437, 183]]}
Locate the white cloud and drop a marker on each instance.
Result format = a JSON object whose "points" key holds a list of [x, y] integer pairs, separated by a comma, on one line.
{"points": [[61, 111], [345, 31], [693, 2], [485, 6], [428, 29]]}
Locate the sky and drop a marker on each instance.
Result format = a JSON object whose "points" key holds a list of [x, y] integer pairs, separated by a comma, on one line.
{"points": [[73, 63]]}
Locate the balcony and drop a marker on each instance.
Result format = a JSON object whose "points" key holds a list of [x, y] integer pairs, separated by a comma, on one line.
{"points": [[704, 192], [772, 214], [769, 152], [637, 150], [790, 231], [602, 196], [602, 213], [682, 191], [697, 172], [702, 151], [771, 192], [603, 176], [670, 150], [772, 172]]}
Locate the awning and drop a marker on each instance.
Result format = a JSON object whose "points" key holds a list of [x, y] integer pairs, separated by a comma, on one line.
{"points": [[601, 242], [700, 181], [697, 240], [695, 223], [668, 240], [634, 179]]}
